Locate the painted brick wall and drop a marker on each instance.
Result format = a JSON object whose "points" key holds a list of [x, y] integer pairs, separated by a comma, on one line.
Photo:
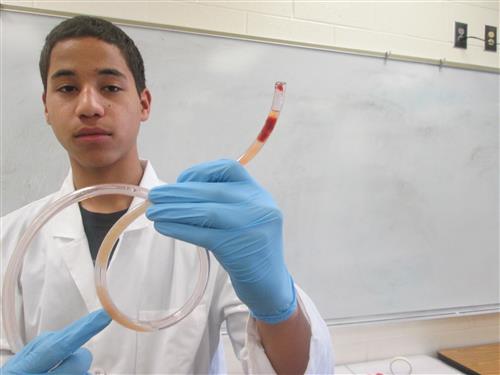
{"points": [[420, 28]]}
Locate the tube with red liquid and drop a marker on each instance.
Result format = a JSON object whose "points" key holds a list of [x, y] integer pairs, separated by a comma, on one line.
{"points": [[272, 118]]}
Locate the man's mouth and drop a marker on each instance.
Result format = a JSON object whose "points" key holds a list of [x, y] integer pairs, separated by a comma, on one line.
{"points": [[91, 131], [92, 134]]}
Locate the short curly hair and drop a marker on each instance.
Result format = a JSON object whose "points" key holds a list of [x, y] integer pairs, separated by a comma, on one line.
{"points": [[86, 26]]}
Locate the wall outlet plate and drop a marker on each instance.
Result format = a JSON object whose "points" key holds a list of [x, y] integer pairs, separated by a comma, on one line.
{"points": [[460, 35], [490, 38]]}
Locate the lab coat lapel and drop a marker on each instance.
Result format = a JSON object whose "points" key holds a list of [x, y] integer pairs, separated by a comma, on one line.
{"points": [[69, 235], [71, 243], [77, 258]]}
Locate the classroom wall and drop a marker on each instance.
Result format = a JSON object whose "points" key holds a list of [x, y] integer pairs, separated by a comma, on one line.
{"points": [[412, 28], [420, 28]]}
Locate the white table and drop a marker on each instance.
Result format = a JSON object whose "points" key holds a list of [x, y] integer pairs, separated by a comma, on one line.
{"points": [[421, 364]]}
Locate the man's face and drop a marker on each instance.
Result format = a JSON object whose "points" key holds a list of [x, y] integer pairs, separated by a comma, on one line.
{"points": [[92, 102]]}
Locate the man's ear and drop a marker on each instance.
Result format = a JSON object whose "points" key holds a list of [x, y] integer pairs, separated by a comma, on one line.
{"points": [[46, 113], [145, 99]]}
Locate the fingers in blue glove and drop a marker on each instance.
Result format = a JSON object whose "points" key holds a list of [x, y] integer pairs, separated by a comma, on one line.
{"points": [[222, 170], [51, 348], [189, 192], [77, 363], [212, 215]]}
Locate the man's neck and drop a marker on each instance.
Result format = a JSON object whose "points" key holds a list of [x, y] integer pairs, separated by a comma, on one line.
{"points": [[124, 173]]}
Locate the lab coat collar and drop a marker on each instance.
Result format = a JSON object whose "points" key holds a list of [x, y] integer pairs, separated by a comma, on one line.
{"points": [[68, 223]]}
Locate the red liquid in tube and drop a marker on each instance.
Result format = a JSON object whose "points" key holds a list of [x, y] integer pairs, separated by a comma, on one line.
{"points": [[267, 128]]}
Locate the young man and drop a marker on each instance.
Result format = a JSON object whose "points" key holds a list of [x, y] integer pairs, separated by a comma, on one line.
{"points": [[95, 98]]}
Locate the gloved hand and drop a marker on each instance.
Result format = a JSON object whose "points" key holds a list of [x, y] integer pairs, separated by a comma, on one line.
{"points": [[61, 348], [218, 206]]}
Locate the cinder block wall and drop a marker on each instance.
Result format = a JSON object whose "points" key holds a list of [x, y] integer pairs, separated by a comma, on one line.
{"points": [[420, 28]]}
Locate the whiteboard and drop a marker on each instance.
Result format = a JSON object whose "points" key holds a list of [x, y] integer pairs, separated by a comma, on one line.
{"points": [[387, 172]]}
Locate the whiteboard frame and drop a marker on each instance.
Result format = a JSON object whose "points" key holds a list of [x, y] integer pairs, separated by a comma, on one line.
{"points": [[416, 315]]}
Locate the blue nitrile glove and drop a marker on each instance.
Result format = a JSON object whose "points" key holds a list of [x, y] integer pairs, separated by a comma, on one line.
{"points": [[61, 348], [218, 206]]}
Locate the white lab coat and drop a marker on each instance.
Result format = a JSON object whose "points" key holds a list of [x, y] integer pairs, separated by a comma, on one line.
{"points": [[57, 287]]}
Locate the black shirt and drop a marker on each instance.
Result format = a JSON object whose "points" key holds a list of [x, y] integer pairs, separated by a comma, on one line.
{"points": [[96, 226]]}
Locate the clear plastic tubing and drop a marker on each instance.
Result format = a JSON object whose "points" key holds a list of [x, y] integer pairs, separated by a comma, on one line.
{"points": [[16, 260]]}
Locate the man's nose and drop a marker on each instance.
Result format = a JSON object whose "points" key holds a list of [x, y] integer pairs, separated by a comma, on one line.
{"points": [[89, 103]]}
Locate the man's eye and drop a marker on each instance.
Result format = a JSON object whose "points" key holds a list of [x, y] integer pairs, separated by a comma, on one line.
{"points": [[66, 89], [112, 88]]}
